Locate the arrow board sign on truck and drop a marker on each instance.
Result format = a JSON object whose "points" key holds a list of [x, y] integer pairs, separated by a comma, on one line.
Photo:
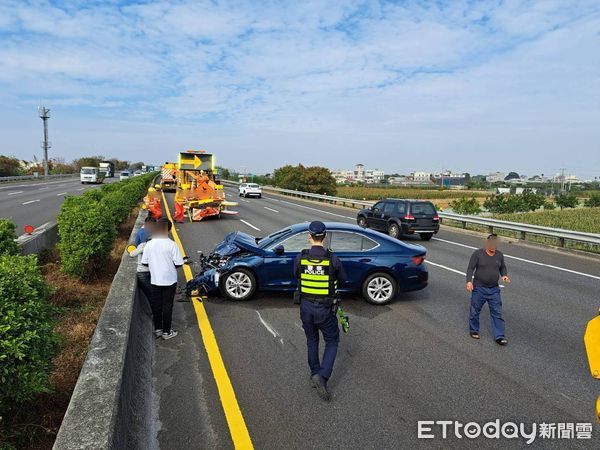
{"points": [[195, 161]]}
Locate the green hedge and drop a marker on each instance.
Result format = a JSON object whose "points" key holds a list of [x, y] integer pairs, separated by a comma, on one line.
{"points": [[8, 245], [87, 225], [27, 343]]}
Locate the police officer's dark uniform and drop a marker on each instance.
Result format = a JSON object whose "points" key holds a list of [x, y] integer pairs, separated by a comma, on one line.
{"points": [[318, 272]]}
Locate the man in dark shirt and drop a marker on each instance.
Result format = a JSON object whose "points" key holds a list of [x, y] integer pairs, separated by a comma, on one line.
{"points": [[318, 273], [485, 267]]}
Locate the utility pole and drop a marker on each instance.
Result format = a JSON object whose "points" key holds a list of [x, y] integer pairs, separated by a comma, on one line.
{"points": [[562, 180], [44, 114]]}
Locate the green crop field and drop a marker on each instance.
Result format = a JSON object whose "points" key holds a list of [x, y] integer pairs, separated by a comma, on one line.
{"points": [[577, 219], [376, 193]]}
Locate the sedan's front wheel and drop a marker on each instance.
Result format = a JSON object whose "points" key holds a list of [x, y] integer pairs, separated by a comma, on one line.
{"points": [[238, 285], [379, 288], [362, 222]]}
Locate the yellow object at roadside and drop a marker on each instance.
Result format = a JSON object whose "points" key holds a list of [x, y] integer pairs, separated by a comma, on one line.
{"points": [[131, 248], [592, 348], [592, 345]]}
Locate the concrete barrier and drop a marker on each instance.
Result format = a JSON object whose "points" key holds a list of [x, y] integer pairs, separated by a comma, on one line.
{"points": [[111, 406], [43, 237]]}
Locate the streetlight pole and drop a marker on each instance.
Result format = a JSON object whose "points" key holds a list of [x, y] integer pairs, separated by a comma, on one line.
{"points": [[44, 114]]}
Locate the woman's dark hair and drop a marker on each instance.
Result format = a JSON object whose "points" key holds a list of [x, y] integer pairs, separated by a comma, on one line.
{"points": [[164, 222]]}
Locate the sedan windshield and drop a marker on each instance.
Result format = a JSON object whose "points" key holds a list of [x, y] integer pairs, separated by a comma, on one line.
{"points": [[253, 186], [88, 171], [267, 240]]}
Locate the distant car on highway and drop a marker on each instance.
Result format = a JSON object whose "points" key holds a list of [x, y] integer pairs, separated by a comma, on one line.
{"points": [[250, 190], [125, 175], [397, 217], [137, 173], [91, 175], [376, 265]]}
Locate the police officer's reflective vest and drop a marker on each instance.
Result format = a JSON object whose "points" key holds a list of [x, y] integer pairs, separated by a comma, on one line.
{"points": [[316, 276]]}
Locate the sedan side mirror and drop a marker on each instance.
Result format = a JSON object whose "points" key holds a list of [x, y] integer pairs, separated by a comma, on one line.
{"points": [[279, 250], [375, 210]]}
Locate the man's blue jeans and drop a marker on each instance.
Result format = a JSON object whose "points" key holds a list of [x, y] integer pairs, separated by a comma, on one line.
{"points": [[317, 317], [479, 296]]}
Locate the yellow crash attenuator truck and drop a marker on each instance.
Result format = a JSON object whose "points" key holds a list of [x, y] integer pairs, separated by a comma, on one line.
{"points": [[592, 347]]}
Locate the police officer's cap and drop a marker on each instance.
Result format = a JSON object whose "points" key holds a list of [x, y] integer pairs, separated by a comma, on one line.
{"points": [[317, 228]]}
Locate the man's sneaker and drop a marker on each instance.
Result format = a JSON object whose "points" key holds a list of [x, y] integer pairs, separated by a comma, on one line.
{"points": [[319, 383], [501, 341], [158, 333], [167, 336]]}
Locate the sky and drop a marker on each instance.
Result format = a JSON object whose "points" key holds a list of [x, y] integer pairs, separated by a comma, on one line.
{"points": [[400, 86]]}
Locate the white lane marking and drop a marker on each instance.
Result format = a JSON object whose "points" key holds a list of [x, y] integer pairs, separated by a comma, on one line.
{"points": [[245, 201], [81, 189], [249, 224], [269, 328], [319, 210], [43, 189], [13, 193], [536, 263], [271, 209], [454, 243], [446, 267], [31, 201], [27, 185], [62, 193]]}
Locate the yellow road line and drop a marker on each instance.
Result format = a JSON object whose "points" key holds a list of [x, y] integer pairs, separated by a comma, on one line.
{"points": [[233, 414]]}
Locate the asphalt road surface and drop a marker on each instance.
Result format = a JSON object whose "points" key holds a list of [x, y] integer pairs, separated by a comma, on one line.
{"points": [[37, 202], [408, 361]]}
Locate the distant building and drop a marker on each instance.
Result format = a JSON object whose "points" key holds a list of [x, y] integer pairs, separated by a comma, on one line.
{"points": [[449, 178], [519, 190], [359, 175], [374, 176], [495, 177], [421, 177], [538, 179], [402, 179]]}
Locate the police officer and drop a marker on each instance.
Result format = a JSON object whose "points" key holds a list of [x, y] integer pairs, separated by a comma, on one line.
{"points": [[318, 273]]}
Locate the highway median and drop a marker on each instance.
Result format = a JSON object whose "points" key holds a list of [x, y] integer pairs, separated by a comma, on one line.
{"points": [[52, 303]]}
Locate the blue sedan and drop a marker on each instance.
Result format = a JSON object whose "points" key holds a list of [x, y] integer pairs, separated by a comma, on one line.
{"points": [[376, 265]]}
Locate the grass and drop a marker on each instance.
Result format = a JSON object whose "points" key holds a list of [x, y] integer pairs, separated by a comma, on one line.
{"points": [[79, 304]]}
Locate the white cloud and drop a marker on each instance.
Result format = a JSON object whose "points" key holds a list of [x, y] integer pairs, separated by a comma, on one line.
{"points": [[457, 83]]}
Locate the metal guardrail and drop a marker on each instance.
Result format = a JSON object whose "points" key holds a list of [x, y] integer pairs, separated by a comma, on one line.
{"points": [[524, 229], [39, 177]]}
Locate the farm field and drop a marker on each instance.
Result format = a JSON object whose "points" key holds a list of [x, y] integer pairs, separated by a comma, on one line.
{"points": [[577, 219], [376, 193]]}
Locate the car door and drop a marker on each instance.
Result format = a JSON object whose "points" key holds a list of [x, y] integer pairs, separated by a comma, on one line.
{"points": [[277, 271], [389, 211], [375, 216], [357, 254]]}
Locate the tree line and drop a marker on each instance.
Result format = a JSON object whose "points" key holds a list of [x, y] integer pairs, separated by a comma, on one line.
{"points": [[11, 166], [315, 179]]}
